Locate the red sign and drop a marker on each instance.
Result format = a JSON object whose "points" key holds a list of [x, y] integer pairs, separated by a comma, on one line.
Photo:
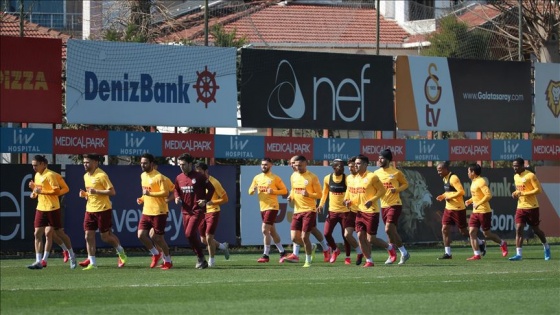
{"points": [[547, 149], [286, 147], [549, 204], [469, 150], [67, 141], [372, 147], [195, 144], [30, 80]]}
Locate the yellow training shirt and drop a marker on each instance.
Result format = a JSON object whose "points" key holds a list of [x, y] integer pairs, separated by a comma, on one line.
{"points": [[529, 186], [391, 178], [308, 182], [364, 188], [481, 195], [156, 202], [99, 181], [50, 190], [263, 182]]}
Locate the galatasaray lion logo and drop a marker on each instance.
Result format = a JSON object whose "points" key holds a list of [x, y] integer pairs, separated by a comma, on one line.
{"points": [[553, 97]]}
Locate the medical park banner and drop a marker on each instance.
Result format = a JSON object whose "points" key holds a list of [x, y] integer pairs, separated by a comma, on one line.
{"points": [[310, 90], [115, 83], [30, 80], [547, 98], [446, 94], [128, 143]]}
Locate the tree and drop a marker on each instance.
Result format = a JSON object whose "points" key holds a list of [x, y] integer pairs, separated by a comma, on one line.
{"points": [[454, 39], [540, 27]]}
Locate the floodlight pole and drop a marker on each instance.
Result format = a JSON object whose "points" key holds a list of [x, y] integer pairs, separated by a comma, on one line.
{"points": [[520, 29], [205, 22], [377, 28]]}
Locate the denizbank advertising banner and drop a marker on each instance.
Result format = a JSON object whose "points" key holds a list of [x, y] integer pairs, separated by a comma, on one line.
{"points": [[435, 93], [114, 83], [547, 98]]}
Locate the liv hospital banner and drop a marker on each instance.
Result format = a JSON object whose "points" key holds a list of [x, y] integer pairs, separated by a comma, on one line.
{"points": [[435, 93], [289, 89], [30, 80], [547, 98], [113, 83]]}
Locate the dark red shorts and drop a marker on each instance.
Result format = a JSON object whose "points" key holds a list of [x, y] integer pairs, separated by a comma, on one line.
{"points": [[455, 217], [99, 220], [350, 220], [209, 224], [367, 222], [48, 218], [157, 222], [391, 214], [269, 216], [304, 221], [530, 217], [481, 220]]}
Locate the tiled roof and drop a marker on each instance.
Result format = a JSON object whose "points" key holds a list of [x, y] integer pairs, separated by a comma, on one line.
{"points": [[306, 25], [478, 14], [9, 26]]}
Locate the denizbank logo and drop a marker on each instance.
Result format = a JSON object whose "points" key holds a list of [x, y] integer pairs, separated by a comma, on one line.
{"points": [[144, 89]]}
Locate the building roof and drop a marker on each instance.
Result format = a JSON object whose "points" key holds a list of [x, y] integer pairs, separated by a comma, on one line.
{"points": [[270, 23], [478, 14], [9, 26]]}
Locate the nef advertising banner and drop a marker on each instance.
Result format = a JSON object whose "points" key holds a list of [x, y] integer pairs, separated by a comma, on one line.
{"points": [[547, 98], [30, 80], [17, 209], [113, 83], [435, 93], [289, 89]]}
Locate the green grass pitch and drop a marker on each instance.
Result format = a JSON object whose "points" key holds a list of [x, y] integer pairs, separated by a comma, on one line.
{"points": [[423, 285]]}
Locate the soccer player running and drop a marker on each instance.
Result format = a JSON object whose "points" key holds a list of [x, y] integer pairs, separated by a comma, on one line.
{"points": [[350, 222], [304, 192], [208, 225], [455, 212], [155, 191], [364, 191], [268, 186], [334, 188], [482, 213], [192, 190], [99, 212], [51, 237], [294, 256], [527, 187], [46, 189], [391, 205]]}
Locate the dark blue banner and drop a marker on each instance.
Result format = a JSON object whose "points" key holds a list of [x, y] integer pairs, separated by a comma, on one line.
{"points": [[127, 213], [239, 147], [335, 148]]}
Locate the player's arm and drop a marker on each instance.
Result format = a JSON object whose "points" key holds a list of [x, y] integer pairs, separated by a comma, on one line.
{"points": [[317, 192], [325, 192], [253, 186], [537, 188], [280, 187], [220, 197], [380, 189], [403, 183], [64, 189], [487, 194]]}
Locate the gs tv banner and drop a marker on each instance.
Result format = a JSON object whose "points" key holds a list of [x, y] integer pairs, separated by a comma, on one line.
{"points": [[435, 93], [290, 89]]}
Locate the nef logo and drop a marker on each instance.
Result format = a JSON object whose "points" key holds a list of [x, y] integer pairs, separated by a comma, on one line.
{"points": [[286, 100], [432, 91], [553, 97]]}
